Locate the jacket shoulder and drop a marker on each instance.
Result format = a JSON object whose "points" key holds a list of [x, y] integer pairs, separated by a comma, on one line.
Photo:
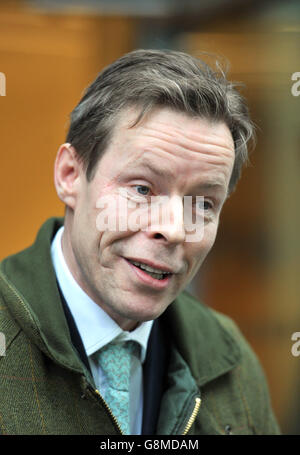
{"points": [[251, 379], [249, 359]]}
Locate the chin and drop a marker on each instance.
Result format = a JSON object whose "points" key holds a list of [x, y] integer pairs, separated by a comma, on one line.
{"points": [[143, 314]]}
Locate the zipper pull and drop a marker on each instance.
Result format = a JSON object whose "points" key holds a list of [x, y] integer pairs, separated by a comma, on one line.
{"points": [[193, 416], [108, 410]]}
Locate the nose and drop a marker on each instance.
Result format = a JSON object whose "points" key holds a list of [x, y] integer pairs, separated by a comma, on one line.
{"points": [[167, 220]]}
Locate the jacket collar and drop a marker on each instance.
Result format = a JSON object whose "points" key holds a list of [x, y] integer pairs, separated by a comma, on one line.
{"points": [[31, 291], [207, 346]]}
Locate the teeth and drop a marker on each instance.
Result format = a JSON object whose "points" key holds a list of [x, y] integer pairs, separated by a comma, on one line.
{"points": [[150, 269], [157, 276]]}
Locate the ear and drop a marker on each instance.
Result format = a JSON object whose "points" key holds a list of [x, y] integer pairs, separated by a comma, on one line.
{"points": [[67, 174]]}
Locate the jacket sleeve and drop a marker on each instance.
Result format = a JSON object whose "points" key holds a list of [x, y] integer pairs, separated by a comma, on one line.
{"points": [[253, 384]]}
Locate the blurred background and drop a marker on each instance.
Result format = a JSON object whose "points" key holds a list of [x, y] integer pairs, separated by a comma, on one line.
{"points": [[51, 50]]}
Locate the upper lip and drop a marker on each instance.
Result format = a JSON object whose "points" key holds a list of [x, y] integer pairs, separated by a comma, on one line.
{"points": [[154, 265]]}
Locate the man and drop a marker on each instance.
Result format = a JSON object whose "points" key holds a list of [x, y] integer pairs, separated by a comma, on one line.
{"points": [[101, 336]]}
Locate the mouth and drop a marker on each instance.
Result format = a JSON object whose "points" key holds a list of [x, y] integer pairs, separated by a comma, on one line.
{"points": [[150, 275]]}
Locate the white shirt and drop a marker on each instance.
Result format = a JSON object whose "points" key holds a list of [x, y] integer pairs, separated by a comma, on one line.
{"points": [[97, 329]]}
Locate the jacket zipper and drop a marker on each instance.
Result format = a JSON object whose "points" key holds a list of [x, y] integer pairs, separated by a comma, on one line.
{"points": [[186, 429], [108, 410], [193, 416]]}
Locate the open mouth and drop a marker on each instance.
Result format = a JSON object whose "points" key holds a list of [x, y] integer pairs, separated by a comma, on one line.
{"points": [[159, 275]]}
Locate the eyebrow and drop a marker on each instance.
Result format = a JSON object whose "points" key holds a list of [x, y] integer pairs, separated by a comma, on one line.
{"points": [[165, 173], [211, 185]]}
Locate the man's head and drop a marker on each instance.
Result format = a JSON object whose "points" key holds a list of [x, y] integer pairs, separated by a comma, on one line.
{"points": [[149, 78], [166, 124]]}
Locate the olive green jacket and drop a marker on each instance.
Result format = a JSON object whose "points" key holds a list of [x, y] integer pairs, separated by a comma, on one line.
{"points": [[215, 382]]}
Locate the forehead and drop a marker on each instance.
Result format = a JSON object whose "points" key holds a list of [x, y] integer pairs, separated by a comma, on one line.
{"points": [[173, 136], [175, 128]]}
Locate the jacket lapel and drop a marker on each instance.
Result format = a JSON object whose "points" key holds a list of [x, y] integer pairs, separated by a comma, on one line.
{"points": [[205, 345]]}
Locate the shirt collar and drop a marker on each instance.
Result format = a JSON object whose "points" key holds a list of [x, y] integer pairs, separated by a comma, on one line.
{"points": [[95, 326]]}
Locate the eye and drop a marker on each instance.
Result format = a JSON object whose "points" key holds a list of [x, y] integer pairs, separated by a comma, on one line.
{"points": [[143, 190], [205, 205]]}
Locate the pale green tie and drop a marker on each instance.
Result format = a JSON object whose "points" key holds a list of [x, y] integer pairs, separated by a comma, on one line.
{"points": [[115, 361]]}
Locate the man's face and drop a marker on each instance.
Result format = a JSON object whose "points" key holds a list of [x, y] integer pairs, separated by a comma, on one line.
{"points": [[167, 154]]}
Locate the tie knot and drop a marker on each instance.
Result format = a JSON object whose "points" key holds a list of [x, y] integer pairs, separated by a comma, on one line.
{"points": [[120, 349], [132, 347]]}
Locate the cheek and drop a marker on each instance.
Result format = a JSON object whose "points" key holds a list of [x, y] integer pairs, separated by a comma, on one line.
{"points": [[210, 233], [112, 244], [111, 213], [117, 219], [199, 250], [86, 236]]}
